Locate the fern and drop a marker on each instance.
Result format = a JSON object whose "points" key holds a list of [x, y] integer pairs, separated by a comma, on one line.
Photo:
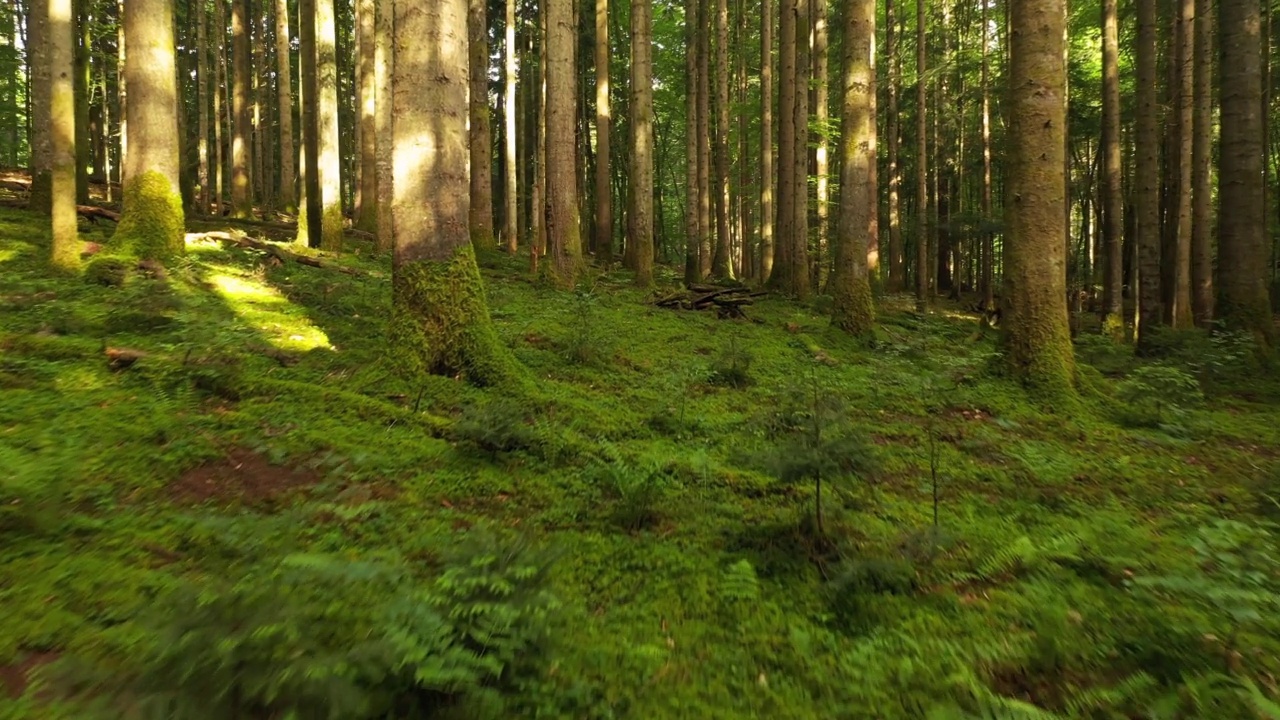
{"points": [[739, 583]]}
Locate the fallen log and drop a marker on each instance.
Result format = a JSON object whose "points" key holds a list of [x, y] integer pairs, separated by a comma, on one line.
{"points": [[278, 252], [727, 301], [93, 212]]}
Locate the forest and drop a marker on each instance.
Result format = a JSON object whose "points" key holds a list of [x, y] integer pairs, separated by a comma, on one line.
{"points": [[371, 359]]}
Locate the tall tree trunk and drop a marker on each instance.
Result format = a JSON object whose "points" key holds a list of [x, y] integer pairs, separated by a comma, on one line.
{"points": [[988, 237], [604, 123], [1201, 171], [1036, 335], [1180, 313], [692, 224], [288, 196], [897, 271], [151, 222], [721, 267], [439, 323], [41, 140], [800, 271], [1242, 242], [706, 218], [81, 45], [642, 138], [202, 99], [367, 74], [257, 183], [221, 132], [1147, 176], [329, 163], [481, 152], [383, 61], [852, 309], [57, 23], [311, 219], [1112, 180], [563, 227], [821, 154], [922, 172], [784, 246], [511, 190], [241, 196], [766, 142]]}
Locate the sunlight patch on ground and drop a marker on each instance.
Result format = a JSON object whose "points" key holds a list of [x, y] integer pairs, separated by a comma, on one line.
{"points": [[7, 255], [282, 323], [78, 379], [199, 243]]}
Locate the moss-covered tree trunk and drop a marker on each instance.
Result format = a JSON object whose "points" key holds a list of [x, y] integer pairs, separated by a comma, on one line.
{"points": [[151, 223], [642, 139], [59, 54], [1242, 238], [41, 130], [852, 310], [440, 323], [1037, 339], [563, 230]]}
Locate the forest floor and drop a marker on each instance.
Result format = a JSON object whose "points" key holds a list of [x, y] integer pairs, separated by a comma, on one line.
{"points": [[1100, 558]]}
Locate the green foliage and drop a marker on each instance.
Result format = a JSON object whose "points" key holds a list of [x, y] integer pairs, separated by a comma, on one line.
{"points": [[500, 425], [1158, 396], [732, 367], [108, 270], [636, 487], [588, 341]]}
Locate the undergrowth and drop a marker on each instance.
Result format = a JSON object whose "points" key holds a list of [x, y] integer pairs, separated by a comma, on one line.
{"points": [[217, 494]]}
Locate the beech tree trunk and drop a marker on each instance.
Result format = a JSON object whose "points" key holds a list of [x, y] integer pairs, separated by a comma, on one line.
{"points": [[151, 221], [58, 26], [481, 141], [1112, 180], [563, 230], [852, 308], [383, 60], [1036, 335], [41, 140], [511, 189], [642, 139]]}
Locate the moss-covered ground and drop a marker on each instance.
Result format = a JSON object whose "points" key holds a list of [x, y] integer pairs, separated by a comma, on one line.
{"points": [[1097, 560]]}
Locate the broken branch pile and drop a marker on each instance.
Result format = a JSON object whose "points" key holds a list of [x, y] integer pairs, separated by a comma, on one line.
{"points": [[728, 302]]}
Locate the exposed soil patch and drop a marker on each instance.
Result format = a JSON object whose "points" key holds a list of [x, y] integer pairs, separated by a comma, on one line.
{"points": [[15, 676], [242, 477]]}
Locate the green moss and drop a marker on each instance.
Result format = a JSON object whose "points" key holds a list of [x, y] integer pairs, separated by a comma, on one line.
{"points": [[331, 228], [853, 311], [440, 323], [482, 240], [152, 224], [1113, 327], [108, 270]]}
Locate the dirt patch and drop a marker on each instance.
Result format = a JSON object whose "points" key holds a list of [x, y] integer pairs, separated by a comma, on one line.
{"points": [[15, 676], [241, 477]]}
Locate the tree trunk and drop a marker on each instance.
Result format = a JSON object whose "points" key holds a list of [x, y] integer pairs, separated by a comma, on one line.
{"points": [[202, 99], [852, 309], [220, 131], [439, 321], [311, 220], [329, 162], [897, 271], [1180, 313], [642, 139], [58, 56], [784, 246], [604, 122], [706, 217], [481, 221], [288, 196], [41, 140], [988, 237], [721, 267], [766, 142], [367, 120], [80, 44], [241, 196], [1242, 241], [1112, 179], [383, 61], [1147, 176], [563, 228], [692, 224], [1037, 339], [151, 223], [1201, 171], [821, 154], [511, 190], [922, 172], [800, 271]]}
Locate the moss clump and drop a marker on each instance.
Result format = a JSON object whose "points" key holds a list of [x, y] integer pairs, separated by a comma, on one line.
{"points": [[331, 228], [152, 224], [482, 240], [852, 310], [440, 323], [1113, 327], [108, 270]]}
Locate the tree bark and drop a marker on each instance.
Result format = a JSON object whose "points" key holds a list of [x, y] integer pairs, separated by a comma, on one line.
{"points": [[58, 56], [481, 152], [288, 196], [897, 271], [1243, 254], [41, 140], [1201, 169], [1147, 177], [1180, 315], [766, 142], [604, 126], [511, 189], [988, 237], [366, 212], [852, 309], [311, 219], [241, 195], [721, 267], [202, 99], [820, 100], [329, 163], [80, 46], [784, 246], [563, 228], [440, 323], [1112, 178], [383, 62], [1036, 335], [922, 172], [642, 138], [692, 223], [800, 271], [151, 222]]}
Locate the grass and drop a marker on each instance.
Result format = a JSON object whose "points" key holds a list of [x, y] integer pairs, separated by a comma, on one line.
{"points": [[713, 599]]}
